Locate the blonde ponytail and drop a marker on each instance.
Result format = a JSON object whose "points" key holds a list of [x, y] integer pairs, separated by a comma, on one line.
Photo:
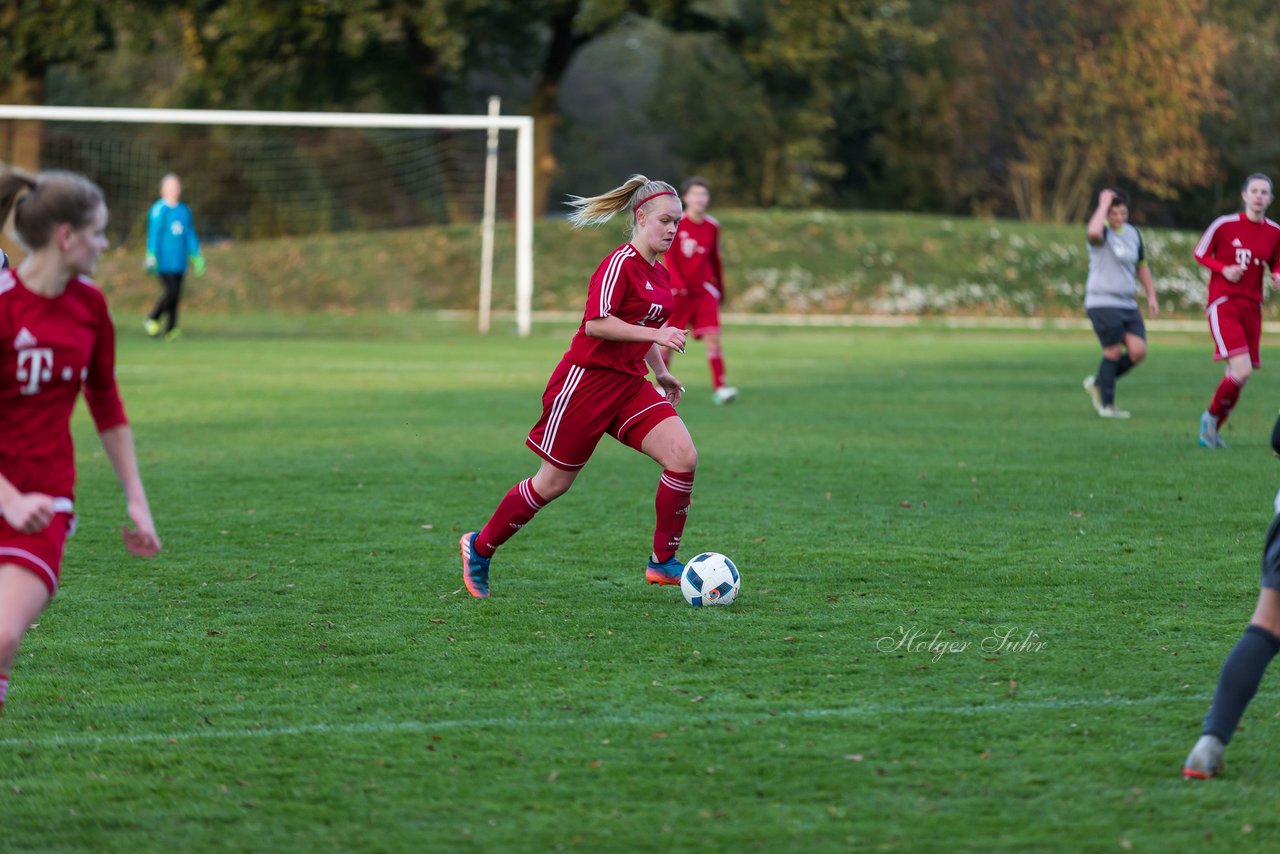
{"points": [[634, 193], [51, 198]]}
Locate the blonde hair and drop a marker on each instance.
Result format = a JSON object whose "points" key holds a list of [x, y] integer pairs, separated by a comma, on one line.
{"points": [[51, 198], [598, 210]]}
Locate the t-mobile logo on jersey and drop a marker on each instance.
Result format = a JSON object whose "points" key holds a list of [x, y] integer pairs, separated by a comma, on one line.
{"points": [[655, 312], [1243, 257], [35, 365], [688, 245]]}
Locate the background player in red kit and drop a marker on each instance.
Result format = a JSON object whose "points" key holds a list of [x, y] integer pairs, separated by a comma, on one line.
{"points": [[601, 385], [1235, 247], [56, 338], [697, 278]]}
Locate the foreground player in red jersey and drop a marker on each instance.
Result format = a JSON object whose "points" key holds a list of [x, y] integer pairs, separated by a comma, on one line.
{"points": [[56, 338], [697, 278], [1234, 248], [600, 386]]}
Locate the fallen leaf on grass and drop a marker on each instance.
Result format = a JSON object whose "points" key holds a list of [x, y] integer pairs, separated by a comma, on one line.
{"points": [[853, 757]]}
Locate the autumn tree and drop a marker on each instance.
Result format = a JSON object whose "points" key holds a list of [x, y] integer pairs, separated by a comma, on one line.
{"points": [[35, 36], [756, 101], [1040, 101]]}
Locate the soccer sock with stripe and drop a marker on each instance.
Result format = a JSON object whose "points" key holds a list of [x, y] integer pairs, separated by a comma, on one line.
{"points": [[1107, 380], [4, 689], [518, 506], [1239, 680], [1225, 397], [672, 506]]}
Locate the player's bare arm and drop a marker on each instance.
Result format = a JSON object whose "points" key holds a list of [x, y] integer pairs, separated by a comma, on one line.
{"points": [[614, 329]]}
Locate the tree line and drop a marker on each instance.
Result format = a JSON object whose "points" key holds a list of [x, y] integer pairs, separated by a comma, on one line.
{"points": [[1019, 108]]}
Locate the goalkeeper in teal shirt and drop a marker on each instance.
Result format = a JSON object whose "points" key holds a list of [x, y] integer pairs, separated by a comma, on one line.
{"points": [[171, 242]]}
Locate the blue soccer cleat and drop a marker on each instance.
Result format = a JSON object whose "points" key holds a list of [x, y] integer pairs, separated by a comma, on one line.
{"points": [[665, 573], [1209, 436], [475, 569]]}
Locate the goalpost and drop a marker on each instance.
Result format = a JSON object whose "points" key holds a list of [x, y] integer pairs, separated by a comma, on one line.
{"points": [[413, 173]]}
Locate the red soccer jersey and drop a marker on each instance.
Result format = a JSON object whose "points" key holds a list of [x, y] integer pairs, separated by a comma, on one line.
{"points": [[694, 258], [49, 349], [631, 289], [1236, 239]]}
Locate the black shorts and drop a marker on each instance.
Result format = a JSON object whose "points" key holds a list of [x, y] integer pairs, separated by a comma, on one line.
{"points": [[1112, 324], [1271, 554]]}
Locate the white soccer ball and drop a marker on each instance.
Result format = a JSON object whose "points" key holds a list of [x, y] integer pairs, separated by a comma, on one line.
{"points": [[710, 579]]}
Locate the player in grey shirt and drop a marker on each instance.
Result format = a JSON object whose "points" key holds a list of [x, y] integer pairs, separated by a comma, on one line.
{"points": [[1117, 261]]}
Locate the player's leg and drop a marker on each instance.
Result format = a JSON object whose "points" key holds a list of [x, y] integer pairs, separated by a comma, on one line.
{"points": [[1108, 325], [1237, 683], [1230, 324], [1135, 352], [516, 509], [706, 326], [577, 408], [173, 282], [670, 445], [152, 323], [23, 595]]}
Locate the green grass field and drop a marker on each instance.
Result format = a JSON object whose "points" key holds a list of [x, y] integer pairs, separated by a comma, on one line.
{"points": [[302, 670]]}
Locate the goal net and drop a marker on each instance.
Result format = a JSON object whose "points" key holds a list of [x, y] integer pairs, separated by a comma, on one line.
{"points": [[250, 176]]}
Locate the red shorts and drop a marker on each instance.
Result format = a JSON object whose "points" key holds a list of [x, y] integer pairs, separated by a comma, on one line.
{"points": [[699, 312], [582, 404], [1236, 326], [40, 552]]}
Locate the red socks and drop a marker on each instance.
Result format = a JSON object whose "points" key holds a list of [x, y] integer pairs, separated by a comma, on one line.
{"points": [[515, 510], [717, 370], [1225, 397], [672, 505]]}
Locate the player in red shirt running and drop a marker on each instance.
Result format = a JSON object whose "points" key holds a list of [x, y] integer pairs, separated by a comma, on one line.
{"points": [[697, 278], [601, 386], [56, 339], [1234, 248]]}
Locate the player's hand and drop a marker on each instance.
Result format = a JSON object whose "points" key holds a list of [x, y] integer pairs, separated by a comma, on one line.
{"points": [[671, 338], [1106, 197], [1233, 273], [29, 513], [197, 265], [142, 539], [151, 262], [670, 387], [1153, 306], [1275, 278]]}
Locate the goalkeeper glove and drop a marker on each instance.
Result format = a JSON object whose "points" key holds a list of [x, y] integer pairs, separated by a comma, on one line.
{"points": [[151, 262], [197, 264]]}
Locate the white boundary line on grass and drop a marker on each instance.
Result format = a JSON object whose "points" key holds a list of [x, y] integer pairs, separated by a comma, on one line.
{"points": [[876, 321], [429, 727]]}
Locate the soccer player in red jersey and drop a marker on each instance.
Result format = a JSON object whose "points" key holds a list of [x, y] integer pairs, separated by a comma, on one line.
{"points": [[56, 339], [601, 386], [1234, 248], [697, 278]]}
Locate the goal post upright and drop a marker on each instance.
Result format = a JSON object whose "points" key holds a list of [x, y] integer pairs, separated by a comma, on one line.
{"points": [[522, 125]]}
